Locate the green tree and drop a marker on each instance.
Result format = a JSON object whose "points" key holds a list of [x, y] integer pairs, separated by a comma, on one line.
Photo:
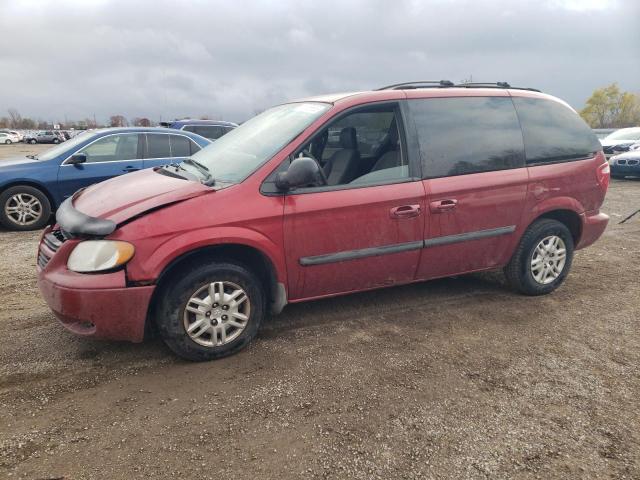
{"points": [[608, 107]]}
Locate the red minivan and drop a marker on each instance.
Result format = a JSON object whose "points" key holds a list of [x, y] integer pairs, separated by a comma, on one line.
{"points": [[326, 196]]}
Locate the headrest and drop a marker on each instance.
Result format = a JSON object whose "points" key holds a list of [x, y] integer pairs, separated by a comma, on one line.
{"points": [[348, 138]]}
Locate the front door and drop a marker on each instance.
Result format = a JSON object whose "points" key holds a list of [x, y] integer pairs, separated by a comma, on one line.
{"points": [[107, 157], [473, 157], [364, 228]]}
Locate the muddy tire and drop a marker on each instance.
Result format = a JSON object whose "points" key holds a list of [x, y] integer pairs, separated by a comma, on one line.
{"points": [[210, 311], [542, 260]]}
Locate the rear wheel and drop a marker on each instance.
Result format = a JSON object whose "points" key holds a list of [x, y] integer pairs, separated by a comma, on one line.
{"points": [[543, 258], [32, 141], [24, 208], [211, 311], [55, 140]]}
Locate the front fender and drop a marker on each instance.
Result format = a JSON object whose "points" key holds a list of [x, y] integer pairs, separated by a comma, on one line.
{"points": [[151, 266]]}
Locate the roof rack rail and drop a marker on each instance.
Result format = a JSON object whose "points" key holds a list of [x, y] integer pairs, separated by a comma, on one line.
{"points": [[448, 83], [419, 84], [493, 85]]}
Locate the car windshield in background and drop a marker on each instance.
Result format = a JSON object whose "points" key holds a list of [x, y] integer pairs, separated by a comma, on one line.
{"points": [[233, 157], [625, 134], [63, 147]]}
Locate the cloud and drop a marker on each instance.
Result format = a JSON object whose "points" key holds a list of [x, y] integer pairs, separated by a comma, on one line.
{"points": [[227, 60]]}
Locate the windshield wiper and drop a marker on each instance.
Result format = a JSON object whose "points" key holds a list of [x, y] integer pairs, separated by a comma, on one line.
{"points": [[208, 180], [34, 157]]}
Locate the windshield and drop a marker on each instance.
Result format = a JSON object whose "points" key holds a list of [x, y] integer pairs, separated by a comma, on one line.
{"points": [[63, 147], [233, 157], [625, 134]]}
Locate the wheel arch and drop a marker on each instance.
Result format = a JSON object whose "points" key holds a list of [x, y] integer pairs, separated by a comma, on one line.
{"points": [[33, 184], [251, 257], [569, 218]]}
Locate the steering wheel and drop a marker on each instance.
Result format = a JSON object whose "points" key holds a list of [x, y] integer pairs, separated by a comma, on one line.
{"points": [[323, 177]]}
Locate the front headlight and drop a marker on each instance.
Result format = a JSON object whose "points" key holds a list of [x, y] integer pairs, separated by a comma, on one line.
{"points": [[99, 255]]}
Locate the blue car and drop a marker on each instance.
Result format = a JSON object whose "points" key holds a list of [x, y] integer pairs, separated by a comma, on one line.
{"points": [[33, 187], [211, 129]]}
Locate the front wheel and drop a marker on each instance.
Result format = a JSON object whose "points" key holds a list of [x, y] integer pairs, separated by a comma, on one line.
{"points": [[7, 142], [32, 141], [24, 208], [211, 311], [56, 141], [543, 258]]}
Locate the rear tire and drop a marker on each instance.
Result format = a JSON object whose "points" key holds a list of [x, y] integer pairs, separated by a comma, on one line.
{"points": [[206, 301], [32, 141], [543, 258], [26, 203]]}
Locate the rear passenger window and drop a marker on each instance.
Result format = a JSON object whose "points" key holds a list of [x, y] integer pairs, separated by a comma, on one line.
{"points": [[158, 146], [553, 132], [208, 131], [180, 146], [465, 135]]}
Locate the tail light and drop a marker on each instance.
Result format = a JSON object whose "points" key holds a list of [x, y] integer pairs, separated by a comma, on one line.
{"points": [[602, 174]]}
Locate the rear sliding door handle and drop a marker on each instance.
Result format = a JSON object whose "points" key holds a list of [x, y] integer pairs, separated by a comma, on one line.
{"points": [[443, 205], [405, 211]]}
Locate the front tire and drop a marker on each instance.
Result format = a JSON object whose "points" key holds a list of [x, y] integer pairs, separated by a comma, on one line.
{"points": [[24, 208], [543, 258], [7, 142], [211, 311], [32, 141]]}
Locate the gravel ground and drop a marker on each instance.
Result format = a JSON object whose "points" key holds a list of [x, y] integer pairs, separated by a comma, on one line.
{"points": [[458, 378]]}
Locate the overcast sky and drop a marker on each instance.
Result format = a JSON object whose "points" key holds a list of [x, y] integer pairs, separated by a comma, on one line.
{"points": [[229, 59]]}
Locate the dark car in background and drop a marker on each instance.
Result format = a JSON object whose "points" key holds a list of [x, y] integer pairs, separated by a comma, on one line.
{"points": [[626, 164], [32, 187], [211, 129]]}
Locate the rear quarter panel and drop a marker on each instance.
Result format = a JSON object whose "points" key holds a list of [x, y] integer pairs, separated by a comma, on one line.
{"points": [[563, 186]]}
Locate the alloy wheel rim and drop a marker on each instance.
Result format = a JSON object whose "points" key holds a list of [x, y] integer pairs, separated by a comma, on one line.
{"points": [[216, 314], [548, 259], [23, 209]]}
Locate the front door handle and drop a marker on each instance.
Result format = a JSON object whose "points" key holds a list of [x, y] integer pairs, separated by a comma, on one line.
{"points": [[405, 211], [130, 169], [441, 206]]}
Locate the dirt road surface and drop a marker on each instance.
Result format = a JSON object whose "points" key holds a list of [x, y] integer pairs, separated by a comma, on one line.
{"points": [[458, 378]]}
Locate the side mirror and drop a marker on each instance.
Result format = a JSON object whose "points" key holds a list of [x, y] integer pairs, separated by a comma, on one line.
{"points": [[302, 171], [77, 159]]}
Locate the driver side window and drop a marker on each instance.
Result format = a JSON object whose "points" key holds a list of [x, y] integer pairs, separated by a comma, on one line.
{"points": [[359, 148], [111, 148]]}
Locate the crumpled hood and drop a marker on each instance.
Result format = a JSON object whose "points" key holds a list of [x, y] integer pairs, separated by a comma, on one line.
{"points": [[121, 198]]}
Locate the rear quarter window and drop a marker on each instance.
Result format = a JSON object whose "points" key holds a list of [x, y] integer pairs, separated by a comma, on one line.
{"points": [[464, 135], [553, 132]]}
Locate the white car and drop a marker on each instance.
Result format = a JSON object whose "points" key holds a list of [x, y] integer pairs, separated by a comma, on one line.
{"points": [[620, 141], [8, 138]]}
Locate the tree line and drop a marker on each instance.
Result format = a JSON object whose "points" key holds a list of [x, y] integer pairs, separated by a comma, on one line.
{"points": [[608, 107], [17, 121]]}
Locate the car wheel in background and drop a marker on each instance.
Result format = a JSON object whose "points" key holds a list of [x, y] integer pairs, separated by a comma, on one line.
{"points": [[7, 142], [543, 258], [55, 140], [32, 141], [211, 311], [24, 208]]}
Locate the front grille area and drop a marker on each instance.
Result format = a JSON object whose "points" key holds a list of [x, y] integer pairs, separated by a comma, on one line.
{"points": [[50, 244], [632, 162], [622, 161]]}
